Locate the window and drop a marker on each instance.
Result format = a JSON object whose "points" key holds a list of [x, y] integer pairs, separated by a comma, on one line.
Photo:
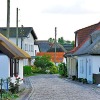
{"points": [[81, 67], [99, 69], [16, 67], [25, 47], [31, 47], [89, 66], [11, 67], [35, 52]]}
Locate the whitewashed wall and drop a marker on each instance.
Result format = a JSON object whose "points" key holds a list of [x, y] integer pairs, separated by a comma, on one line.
{"points": [[71, 66], [90, 66], [36, 49], [29, 40], [21, 71], [4, 66], [96, 64]]}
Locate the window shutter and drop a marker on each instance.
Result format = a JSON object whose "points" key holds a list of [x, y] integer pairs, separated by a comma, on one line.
{"points": [[16, 67], [11, 67]]}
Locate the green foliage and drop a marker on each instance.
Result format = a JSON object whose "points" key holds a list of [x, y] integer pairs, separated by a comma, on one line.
{"points": [[36, 69], [53, 70], [84, 80], [61, 40], [27, 70], [73, 77], [43, 61], [63, 69], [73, 43], [80, 79], [51, 40], [43, 64]]}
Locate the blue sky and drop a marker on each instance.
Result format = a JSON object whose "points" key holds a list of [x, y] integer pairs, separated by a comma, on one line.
{"points": [[44, 15]]}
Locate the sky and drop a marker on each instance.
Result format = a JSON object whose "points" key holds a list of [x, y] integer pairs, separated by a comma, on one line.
{"points": [[44, 15]]}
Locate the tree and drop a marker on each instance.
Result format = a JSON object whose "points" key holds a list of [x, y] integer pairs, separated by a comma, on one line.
{"points": [[68, 41], [73, 43], [61, 40], [43, 61], [51, 40]]}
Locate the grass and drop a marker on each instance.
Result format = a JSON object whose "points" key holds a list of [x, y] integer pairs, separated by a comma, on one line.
{"points": [[27, 75], [9, 96]]}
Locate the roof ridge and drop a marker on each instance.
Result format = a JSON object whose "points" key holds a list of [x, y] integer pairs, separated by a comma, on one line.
{"points": [[76, 48], [88, 27]]}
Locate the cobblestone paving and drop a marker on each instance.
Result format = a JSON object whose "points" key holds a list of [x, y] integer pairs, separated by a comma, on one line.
{"points": [[51, 87]]}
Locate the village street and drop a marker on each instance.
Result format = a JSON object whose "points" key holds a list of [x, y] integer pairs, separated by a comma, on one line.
{"points": [[51, 87]]}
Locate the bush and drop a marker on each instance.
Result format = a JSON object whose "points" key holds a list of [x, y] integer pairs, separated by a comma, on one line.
{"points": [[73, 77], [43, 61], [63, 69], [27, 70], [53, 70], [84, 81], [80, 79], [35, 69]]}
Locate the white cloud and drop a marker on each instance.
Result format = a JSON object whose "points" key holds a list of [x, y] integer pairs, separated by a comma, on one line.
{"points": [[44, 15]]}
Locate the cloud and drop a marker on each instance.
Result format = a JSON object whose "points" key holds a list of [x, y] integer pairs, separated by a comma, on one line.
{"points": [[76, 7]]}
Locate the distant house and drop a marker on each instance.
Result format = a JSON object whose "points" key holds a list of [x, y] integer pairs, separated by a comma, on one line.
{"points": [[68, 46], [58, 47], [11, 59], [26, 38], [44, 45], [81, 37], [89, 57], [59, 56], [48, 48]]}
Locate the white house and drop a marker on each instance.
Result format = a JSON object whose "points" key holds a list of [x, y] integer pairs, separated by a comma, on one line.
{"points": [[81, 36], [11, 60], [26, 38], [89, 57]]}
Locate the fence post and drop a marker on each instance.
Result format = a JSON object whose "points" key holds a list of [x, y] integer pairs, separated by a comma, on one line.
{"points": [[1, 88], [7, 84]]}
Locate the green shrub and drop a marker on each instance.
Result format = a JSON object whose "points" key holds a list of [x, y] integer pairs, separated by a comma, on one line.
{"points": [[80, 79], [63, 69], [27, 70], [53, 70], [84, 80], [35, 69], [73, 77], [43, 61]]}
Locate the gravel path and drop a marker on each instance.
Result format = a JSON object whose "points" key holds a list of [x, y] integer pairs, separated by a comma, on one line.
{"points": [[51, 87]]}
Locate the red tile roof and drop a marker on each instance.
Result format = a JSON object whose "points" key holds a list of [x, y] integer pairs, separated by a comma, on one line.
{"points": [[59, 56], [83, 33], [76, 48]]}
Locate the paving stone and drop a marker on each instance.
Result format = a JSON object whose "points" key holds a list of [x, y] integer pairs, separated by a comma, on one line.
{"points": [[51, 87]]}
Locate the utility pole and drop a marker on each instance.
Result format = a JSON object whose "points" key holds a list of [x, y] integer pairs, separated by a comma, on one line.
{"points": [[8, 18], [17, 26], [55, 43], [22, 36]]}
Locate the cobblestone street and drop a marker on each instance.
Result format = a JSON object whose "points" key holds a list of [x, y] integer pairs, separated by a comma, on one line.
{"points": [[51, 87]]}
